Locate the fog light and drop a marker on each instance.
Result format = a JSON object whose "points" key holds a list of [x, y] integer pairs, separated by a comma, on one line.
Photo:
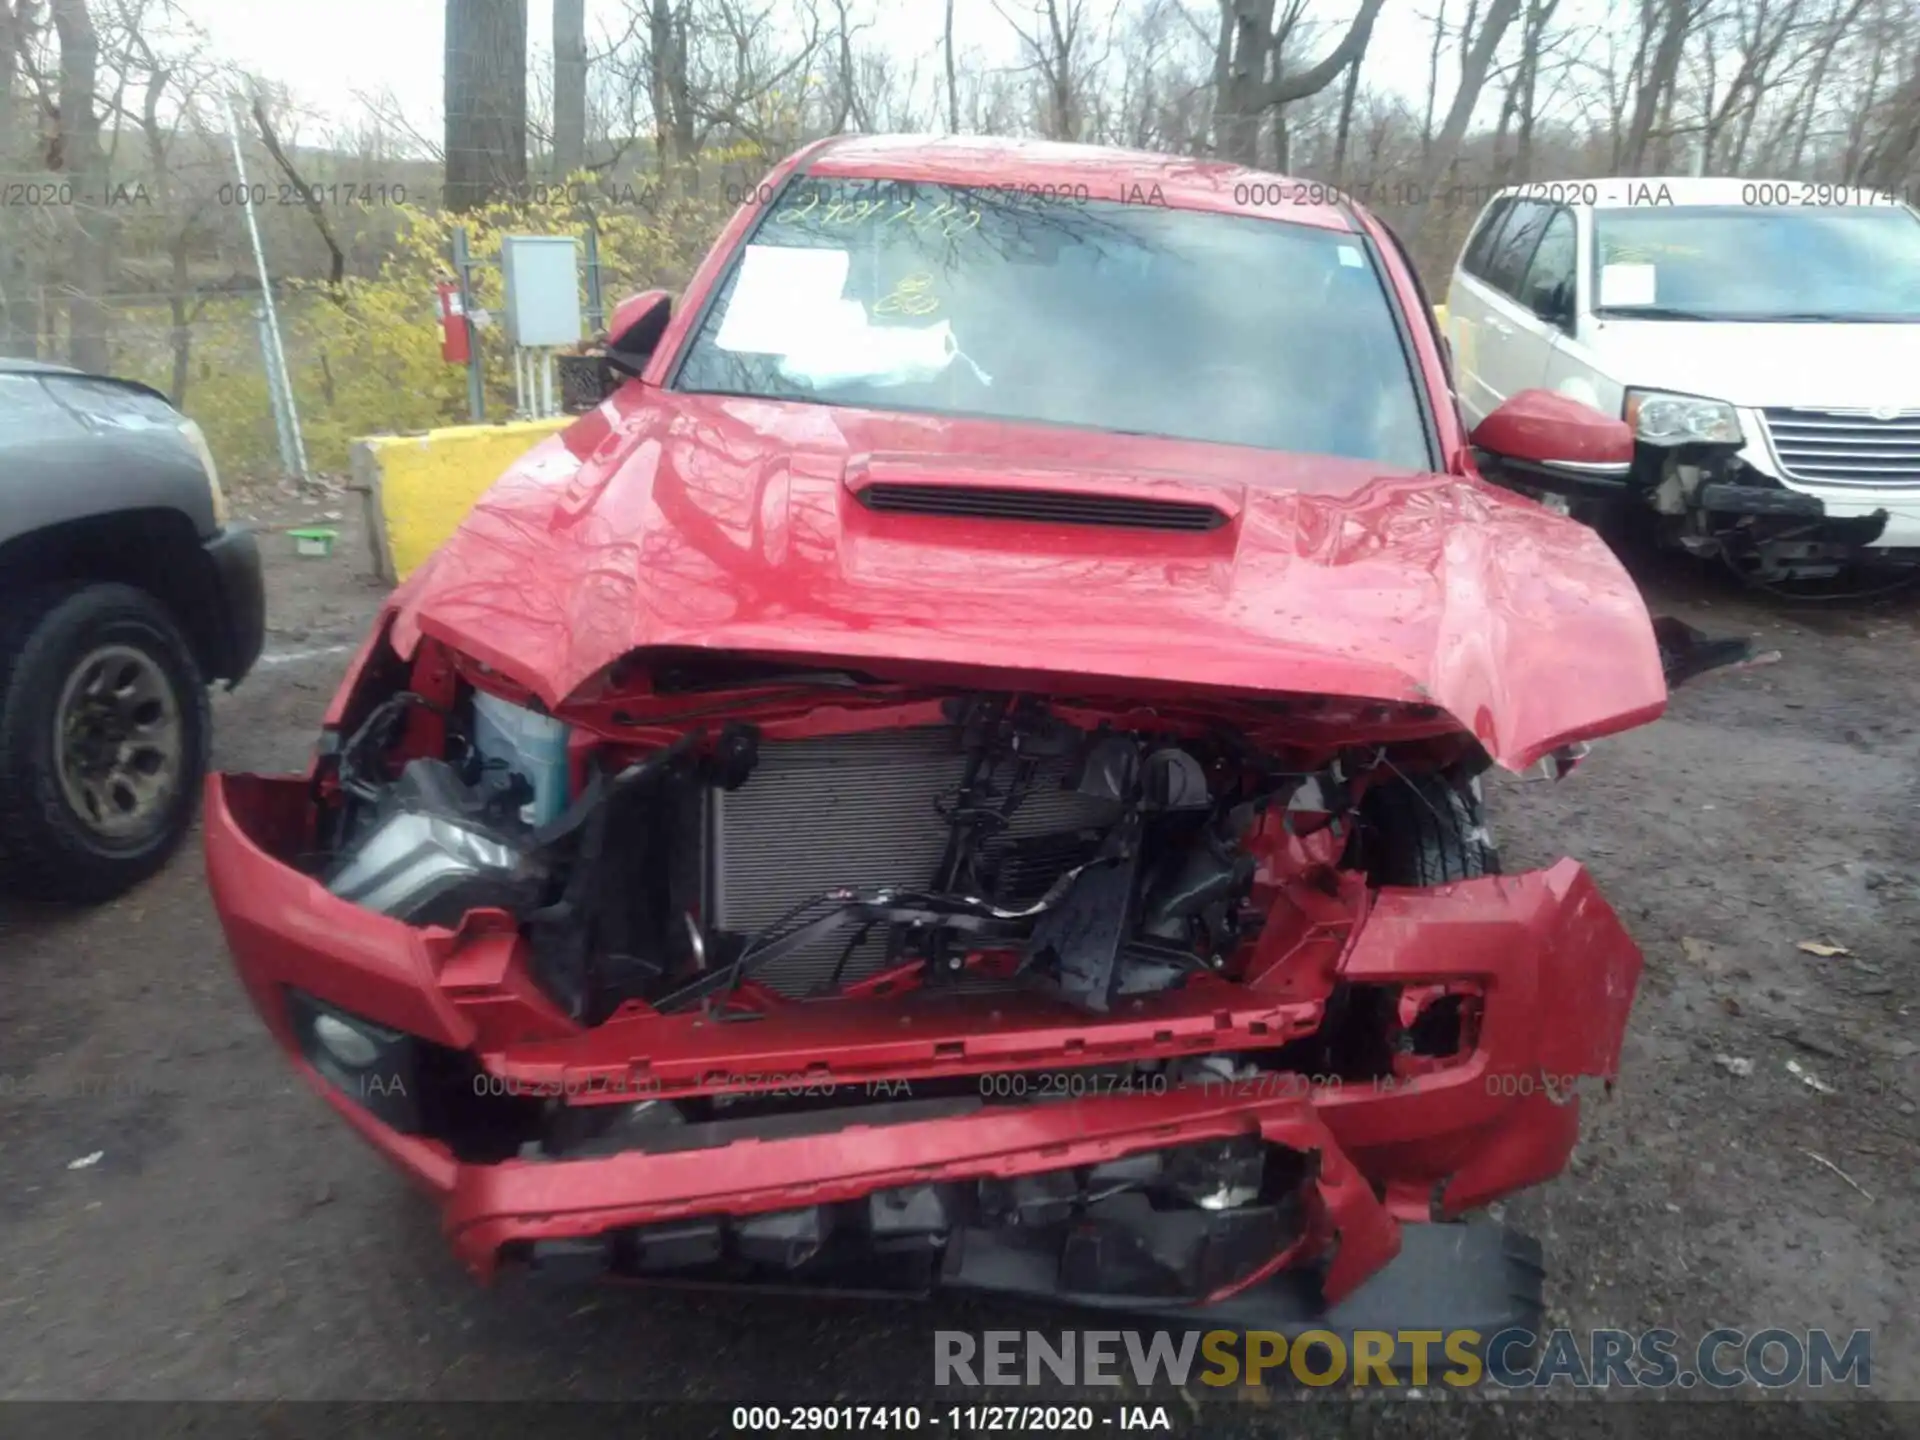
{"points": [[1217, 1176], [346, 1043], [377, 1068], [1227, 1195]]}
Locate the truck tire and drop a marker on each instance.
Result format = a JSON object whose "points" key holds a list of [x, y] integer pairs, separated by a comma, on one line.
{"points": [[104, 730], [1424, 830]]}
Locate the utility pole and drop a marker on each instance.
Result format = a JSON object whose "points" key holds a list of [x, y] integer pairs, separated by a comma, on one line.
{"points": [[288, 460], [279, 379]]}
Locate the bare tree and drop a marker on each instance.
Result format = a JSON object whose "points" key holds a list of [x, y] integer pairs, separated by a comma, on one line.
{"points": [[486, 99], [1519, 107], [1759, 31], [569, 85], [81, 156], [1435, 48], [17, 21], [670, 85], [1250, 82], [1478, 47], [1865, 110], [1665, 27], [1824, 46], [706, 67], [1887, 160], [337, 264], [754, 69], [1164, 81], [19, 307], [1055, 42], [1344, 130], [848, 104], [953, 87], [889, 96], [168, 99]]}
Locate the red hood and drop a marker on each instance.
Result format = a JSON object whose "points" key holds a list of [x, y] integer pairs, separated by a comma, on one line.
{"points": [[681, 520]]}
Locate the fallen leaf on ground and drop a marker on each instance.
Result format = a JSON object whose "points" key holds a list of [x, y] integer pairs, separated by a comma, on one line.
{"points": [[1809, 1079], [1823, 949]]}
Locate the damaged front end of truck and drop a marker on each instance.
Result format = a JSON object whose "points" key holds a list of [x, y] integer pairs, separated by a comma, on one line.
{"points": [[858, 811], [758, 971]]}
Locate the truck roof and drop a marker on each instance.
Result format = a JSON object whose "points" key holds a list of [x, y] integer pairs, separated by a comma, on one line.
{"points": [[1050, 168]]}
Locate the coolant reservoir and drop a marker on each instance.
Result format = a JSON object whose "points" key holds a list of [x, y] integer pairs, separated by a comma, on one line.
{"points": [[528, 745]]}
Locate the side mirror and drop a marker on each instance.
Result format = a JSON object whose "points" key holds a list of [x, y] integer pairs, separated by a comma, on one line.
{"points": [[1547, 436], [638, 323]]}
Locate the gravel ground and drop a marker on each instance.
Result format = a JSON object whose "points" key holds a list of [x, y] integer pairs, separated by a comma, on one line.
{"points": [[234, 1241]]}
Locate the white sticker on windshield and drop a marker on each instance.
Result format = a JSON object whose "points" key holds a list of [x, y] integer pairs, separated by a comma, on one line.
{"points": [[781, 296], [1627, 284], [1351, 258], [854, 351]]}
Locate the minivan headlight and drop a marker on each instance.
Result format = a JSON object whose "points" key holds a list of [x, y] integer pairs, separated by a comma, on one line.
{"points": [[1659, 418]]}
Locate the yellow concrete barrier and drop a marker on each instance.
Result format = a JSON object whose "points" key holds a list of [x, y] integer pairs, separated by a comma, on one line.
{"points": [[418, 488]]}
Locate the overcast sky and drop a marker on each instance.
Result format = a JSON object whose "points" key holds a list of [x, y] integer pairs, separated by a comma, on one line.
{"points": [[331, 52]]}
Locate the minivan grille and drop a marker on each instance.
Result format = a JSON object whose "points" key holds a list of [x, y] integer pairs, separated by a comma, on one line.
{"points": [[1053, 507], [1847, 447]]}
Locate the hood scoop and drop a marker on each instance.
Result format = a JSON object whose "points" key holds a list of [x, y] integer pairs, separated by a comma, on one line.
{"points": [[919, 485]]}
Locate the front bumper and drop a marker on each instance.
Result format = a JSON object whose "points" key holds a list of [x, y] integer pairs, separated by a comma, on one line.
{"points": [[1856, 504], [1553, 969], [239, 624], [1447, 1276]]}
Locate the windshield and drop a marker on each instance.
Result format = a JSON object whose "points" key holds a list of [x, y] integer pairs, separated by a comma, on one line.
{"points": [[1735, 262], [1116, 316]]}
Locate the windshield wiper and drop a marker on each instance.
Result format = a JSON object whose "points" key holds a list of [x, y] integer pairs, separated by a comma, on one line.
{"points": [[1653, 312], [1831, 317]]}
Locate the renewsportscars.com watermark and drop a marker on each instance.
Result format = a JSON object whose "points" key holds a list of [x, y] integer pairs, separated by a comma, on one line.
{"points": [[1516, 1359]]}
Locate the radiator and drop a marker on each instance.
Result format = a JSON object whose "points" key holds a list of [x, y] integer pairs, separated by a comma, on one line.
{"points": [[860, 810]]}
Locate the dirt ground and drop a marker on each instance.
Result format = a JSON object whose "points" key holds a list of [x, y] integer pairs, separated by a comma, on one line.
{"points": [[233, 1240]]}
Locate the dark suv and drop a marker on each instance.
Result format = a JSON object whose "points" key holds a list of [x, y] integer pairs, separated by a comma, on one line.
{"points": [[123, 593]]}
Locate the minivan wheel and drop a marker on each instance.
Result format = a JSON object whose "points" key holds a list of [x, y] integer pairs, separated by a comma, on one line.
{"points": [[104, 729]]}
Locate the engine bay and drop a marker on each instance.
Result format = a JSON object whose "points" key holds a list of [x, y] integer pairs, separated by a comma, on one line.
{"points": [[777, 845]]}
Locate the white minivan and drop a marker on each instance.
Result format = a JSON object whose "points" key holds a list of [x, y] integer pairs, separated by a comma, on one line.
{"points": [[1761, 337]]}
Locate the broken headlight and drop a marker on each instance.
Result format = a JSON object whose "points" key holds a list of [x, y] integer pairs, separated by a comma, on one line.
{"points": [[432, 847]]}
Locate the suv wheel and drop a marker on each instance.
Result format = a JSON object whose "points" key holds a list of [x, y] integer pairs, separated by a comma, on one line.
{"points": [[104, 727]]}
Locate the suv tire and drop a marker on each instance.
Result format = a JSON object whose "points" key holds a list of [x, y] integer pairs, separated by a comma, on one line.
{"points": [[104, 731]]}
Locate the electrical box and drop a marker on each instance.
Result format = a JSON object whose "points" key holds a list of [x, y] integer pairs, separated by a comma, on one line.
{"points": [[543, 289]]}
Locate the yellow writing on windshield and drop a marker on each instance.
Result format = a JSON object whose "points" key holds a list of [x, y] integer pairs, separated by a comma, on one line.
{"points": [[913, 295], [948, 218]]}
